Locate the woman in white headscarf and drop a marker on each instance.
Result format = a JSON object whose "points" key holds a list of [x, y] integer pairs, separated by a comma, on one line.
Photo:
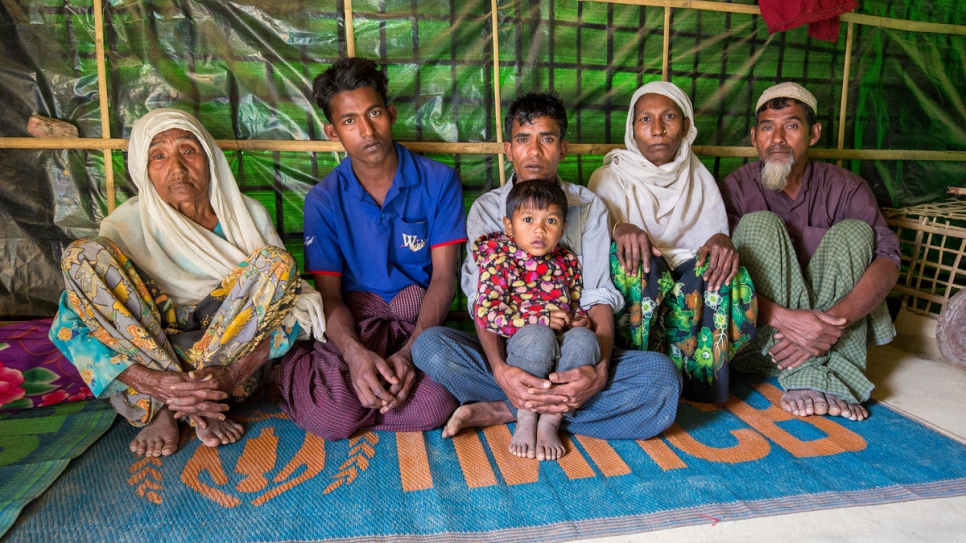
{"points": [[184, 295], [669, 222]]}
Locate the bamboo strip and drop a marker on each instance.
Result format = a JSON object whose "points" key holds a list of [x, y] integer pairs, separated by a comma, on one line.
{"points": [[845, 87], [886, 154], [494, 20], [911, 291], [103, 104], [899, 24], [666, 59], [350, 32], [864, 20], [919, 226], [483, 148], [723, 7]]}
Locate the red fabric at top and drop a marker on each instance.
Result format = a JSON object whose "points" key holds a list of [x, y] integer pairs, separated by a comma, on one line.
{"points": [[820, 15]]}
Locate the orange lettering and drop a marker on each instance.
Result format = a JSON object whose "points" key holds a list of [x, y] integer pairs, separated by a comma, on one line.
{"points": [[661, 454], [515, 470], [473, 461], [413, 461], [838, 438], [147, 478], [751, 446], [573, 463], [311, 455], [606, 458]]}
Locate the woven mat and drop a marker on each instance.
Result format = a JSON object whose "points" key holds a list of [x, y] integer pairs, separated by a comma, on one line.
{"points": [[744, 459], [37, 444]]}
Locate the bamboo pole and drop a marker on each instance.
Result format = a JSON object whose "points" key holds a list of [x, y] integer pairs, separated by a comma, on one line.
{"points": [[666, 59], [899, 24], [350, 33], [494, 21], [102, 96], [687, 4], [845, 87], [481, 148], [864, 20]]}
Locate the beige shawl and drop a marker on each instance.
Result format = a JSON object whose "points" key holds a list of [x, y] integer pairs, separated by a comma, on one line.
{"points": [[677, 204], [186, 260]]}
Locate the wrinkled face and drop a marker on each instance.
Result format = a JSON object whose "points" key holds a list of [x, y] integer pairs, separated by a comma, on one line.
{"points": [[363, 123], [783, 135], [535, 149], [659, 128], [178, 167], [536, 231]]}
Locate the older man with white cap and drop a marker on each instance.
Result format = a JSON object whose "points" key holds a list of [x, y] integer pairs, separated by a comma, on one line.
{"points": [[821, 256]]}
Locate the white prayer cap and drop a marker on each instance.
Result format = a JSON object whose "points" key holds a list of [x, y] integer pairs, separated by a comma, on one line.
{"points": [[789, 90]]}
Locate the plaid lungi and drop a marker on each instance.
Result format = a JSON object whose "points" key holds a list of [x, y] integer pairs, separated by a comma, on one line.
{"points": [[844, 254], [316, 386]]}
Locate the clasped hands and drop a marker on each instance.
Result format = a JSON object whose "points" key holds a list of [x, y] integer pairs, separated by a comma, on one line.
{"points": [[562, 391], [201, 393], [379, 383], [804, 333]]}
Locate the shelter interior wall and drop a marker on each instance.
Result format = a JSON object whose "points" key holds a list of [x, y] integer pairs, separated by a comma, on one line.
{"points": [[245, 67]]}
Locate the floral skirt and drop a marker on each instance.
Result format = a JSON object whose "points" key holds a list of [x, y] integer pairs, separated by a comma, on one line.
{"points": [[673, 312], [122, 318]]}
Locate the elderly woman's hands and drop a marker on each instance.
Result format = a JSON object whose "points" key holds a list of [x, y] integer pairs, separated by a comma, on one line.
{"points": [[633, 248], [199, 393], [176, 389], [196, 391], [722, 260]]}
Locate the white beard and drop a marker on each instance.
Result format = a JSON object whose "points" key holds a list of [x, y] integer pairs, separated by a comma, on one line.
{"points": [[774, 175]]}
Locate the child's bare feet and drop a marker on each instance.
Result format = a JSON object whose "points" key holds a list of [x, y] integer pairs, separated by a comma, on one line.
{"points": [[549, 446], [219, 432], [473, 415], [524, 441], [159, 437]]}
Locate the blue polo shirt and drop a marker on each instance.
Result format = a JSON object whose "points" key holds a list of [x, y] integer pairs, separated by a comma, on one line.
{"points": [[383, 250]]}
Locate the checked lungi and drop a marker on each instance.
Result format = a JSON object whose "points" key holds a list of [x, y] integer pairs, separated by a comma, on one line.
{"points": [[840, 260], [316, 387]]}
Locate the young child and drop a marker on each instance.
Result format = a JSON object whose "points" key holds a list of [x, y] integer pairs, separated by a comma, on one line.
{"points": [[529, 292]]}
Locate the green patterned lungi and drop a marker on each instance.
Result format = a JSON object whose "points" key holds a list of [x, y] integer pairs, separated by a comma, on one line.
{"points": [[674, 312]]}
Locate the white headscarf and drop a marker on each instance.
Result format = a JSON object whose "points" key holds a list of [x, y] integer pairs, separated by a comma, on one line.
{"points": [[186, 260], [677, 204]]}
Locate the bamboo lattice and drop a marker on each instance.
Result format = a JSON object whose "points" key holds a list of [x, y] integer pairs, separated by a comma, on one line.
{"points": [[932, 239], [107, 144]]}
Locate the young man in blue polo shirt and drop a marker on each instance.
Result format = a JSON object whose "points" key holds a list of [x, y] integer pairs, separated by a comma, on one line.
{"points": [[382, 235]]}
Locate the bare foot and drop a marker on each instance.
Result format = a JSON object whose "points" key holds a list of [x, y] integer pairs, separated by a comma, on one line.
{"points": [[219, 432], [549, 446], [803, 402], [477, 414], [841, 408], [524, 441], [159, 437]]}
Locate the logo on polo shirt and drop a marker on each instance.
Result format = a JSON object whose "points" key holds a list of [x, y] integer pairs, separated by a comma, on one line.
{"points": [[413, 243]]}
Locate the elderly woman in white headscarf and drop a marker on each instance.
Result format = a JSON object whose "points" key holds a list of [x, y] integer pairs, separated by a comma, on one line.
{"points": [[185, 294], [669, 223]]}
